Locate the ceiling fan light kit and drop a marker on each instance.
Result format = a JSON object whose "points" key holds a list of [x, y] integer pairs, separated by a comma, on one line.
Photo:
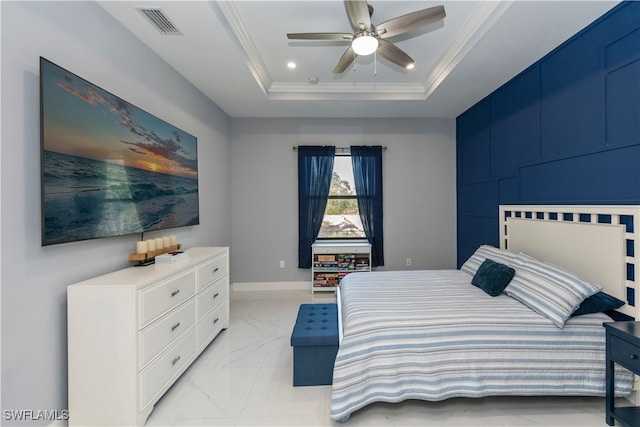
{"points": [[364, 44], [368, 38]]}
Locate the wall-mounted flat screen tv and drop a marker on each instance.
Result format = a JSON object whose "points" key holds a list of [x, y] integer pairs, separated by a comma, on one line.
{"points": [[108, 167]]}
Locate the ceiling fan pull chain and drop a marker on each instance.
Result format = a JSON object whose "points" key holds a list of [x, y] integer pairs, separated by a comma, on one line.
{"points": [[375, 63]]}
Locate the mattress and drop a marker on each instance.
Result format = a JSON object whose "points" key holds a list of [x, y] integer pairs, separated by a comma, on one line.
{"points": [[431, 335]]}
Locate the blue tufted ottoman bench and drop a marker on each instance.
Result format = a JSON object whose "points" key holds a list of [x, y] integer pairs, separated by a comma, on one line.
{"points": [[315, 344]]}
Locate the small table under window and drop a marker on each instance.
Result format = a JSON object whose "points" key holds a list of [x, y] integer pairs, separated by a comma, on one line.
{"points": [[334, 259]]}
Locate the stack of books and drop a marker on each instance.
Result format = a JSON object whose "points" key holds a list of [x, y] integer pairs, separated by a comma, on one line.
{"points": [[326, 279], [342, 261], [330, 269], [362, 263]]}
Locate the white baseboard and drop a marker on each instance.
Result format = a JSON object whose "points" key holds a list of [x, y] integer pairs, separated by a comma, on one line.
{"points": [[271, 286]]}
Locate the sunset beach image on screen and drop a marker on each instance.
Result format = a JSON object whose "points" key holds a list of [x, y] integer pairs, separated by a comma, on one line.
{"points": [[108, 167]]}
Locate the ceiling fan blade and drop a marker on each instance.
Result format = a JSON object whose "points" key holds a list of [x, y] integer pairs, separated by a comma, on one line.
{"points": [[358, 13], [345, 60], [394, 54], [320, 36], [410, 21]]}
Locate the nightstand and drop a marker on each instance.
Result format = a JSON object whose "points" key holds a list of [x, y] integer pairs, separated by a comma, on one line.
{"points": [[623, 348]]}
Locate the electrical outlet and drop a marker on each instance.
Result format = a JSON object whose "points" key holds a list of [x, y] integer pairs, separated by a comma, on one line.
{"points": [[281, 263], [408, 262]]}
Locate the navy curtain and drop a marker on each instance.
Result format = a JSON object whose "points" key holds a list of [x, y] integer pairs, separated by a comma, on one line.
{"points": [[367, 174], [315, 167]]}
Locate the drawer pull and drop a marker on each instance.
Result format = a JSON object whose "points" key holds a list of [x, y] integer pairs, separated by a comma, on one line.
{"points": [[216, 320], [176, 292], [215, 270], [174, 361], [634, 356], [174, 327], [216, 295]]}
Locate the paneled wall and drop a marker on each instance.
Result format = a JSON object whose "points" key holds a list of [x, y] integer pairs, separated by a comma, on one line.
{"points": [[564, 131]]}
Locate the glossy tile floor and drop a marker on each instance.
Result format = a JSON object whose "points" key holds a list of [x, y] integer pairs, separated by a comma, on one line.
{"points": [[245, 379]]}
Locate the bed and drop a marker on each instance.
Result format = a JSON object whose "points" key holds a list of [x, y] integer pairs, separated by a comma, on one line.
{"points": [[433, 335]]}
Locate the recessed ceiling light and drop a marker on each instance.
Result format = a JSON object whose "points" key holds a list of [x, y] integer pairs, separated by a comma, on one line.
{"points": [[410, 66], [291, 65]]}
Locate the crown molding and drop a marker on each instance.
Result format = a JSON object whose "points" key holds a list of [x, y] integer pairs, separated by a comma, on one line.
{"points": [[343, 91], [238, 32], [483, 18]]}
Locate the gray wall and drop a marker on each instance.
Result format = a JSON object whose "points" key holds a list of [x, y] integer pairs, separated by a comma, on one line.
{"points": [[419, 191], [85, 39], [248, 184]]}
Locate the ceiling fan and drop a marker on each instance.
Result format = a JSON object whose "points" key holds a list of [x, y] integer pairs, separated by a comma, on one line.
{"points": [[368, 38]]}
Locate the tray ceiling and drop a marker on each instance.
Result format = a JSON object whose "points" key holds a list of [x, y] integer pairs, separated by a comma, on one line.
{"points": [[236, 53]]}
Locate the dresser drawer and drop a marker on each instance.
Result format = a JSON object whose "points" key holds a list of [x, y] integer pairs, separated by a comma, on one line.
{"points": [[158, 299], [211, 324], [158, 335], [625, 353], [167, 366], [211, 271], [212, 296]]}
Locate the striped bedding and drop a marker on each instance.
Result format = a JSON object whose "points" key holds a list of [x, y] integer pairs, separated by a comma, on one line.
{"points": [[431, 335]]}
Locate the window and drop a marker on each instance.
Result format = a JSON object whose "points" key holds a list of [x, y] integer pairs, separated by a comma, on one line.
{"points": [[341, 218], [315, 169]]}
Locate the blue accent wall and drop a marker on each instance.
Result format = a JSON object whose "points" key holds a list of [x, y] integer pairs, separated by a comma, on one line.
{"points": [[564, 131]]}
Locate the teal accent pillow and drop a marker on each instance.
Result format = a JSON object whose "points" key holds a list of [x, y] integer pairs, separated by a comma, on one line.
{"points": [[492, 277]]}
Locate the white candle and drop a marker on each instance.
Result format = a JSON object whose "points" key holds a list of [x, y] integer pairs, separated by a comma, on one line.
{"points": [[151, 245], [166, 242], [174, 240], [159, 244], [141, 247]]}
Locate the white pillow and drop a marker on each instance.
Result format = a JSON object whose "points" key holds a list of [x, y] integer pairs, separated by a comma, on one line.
{"points": [[548, 289], [482, 253]]}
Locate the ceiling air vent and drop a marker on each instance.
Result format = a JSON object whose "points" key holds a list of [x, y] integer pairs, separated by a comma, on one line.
{"points": [[160, 21]]}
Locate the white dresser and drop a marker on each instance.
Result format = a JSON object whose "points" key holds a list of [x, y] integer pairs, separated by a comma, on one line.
{"points": [[133, 332]]}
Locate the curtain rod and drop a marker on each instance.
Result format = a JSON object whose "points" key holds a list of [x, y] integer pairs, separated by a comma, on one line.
{"points": [[343, 149]]}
